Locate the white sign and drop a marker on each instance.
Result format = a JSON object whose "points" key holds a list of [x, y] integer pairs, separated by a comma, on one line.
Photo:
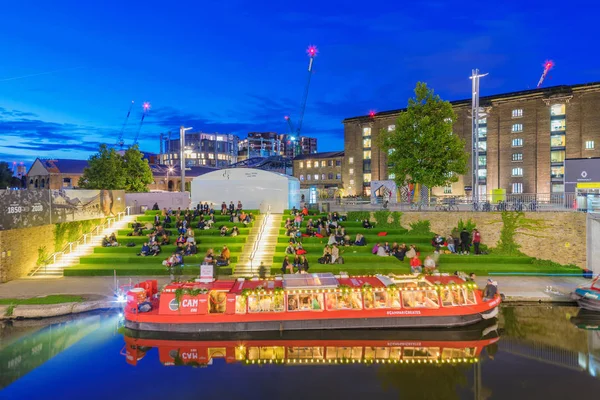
{"points": [[206, 271]]}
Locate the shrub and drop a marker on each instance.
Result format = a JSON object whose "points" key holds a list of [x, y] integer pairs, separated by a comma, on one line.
{"points": [[358, 215], [382, 217], [422, 227], [469, 225], [551, 264]]}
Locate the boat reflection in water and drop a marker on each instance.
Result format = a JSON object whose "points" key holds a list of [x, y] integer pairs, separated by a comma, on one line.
{"points": [[590, 322], [451, 346]]}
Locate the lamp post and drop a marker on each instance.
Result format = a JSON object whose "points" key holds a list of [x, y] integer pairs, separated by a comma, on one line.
{"points": [[169, 171], [182, 131]]}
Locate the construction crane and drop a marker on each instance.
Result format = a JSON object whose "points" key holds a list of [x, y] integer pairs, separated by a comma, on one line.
{"points": [[295, 131], [548, 65], [145, 108], [120, 141]]}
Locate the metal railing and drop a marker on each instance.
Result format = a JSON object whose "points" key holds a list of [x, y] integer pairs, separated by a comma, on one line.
{"points": [[261, 230], [70, 247]]}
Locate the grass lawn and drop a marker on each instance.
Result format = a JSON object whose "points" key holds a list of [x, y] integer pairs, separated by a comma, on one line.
{"points": [[134, 269], [52, 299]]}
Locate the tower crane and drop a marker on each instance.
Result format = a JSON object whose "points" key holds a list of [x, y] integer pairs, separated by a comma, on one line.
{"points": [[145, 108], [547, 67], [120, 141], [296, 130]]}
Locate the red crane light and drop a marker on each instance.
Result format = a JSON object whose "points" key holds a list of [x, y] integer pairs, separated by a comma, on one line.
{"points": [[372, 114], [286, 117], [312, 50], [146, 106]]}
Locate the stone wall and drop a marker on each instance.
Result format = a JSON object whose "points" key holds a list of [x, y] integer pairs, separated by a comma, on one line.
{"points": [[563, 240], [19, 250]]}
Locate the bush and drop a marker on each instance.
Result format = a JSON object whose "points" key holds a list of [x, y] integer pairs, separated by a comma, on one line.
{"points": [[397, 219], [551, 264], [422, 227], [382, 217], [469, 225], [359, 215]]}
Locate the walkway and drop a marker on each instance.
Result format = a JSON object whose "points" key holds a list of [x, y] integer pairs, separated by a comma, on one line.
{"points": [[260, 246]]}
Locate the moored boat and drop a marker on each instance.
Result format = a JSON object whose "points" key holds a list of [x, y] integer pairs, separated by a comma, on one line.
{"points": [[588, 296], [308, 301]]}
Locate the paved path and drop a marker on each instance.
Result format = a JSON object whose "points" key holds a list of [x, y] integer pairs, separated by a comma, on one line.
{"points": [[514, 288]]}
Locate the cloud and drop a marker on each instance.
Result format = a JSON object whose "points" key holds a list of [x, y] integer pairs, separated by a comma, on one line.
{"points": [[15, 113]]}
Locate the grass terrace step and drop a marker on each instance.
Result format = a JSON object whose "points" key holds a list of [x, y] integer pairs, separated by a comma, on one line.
{"points": [[118, 259], [197, 232], [366, 232], [371, 240], [216, 240], [217, 211], [233, 248], [136, 270], [150, 219]]}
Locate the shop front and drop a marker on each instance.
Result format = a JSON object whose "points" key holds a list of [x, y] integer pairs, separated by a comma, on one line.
{"points": [[582, 177]]}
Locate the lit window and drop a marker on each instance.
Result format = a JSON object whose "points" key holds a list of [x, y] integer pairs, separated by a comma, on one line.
{"points": [[391, 176], [351, 160], [367, 155], [517, 187], [483, 121], [367, 177], [517, 128], [517, 157], [351, 171], [330, 176], [589, 145], [352, 181], [301, 165], [338, 176], [517, 172], [482, 132], [308, 177], [558, 188], [391, 128], [367, 143], [323, 177], [367, 131], [308, 164], [557, 141], [323, 163], [448, 189], [557, 109], [558, 125], [557, 172], [482, 173], [557, 156], [211, 156], [482, 147], [482, 161], [517, 142], [517, 113], [302, 177], [316, 177]]}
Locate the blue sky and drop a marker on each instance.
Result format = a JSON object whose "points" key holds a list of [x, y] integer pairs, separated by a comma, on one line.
{"points": [[70, 69]]}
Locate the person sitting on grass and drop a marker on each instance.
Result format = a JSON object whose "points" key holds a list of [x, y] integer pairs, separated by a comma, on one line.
{"points": [[326, 258], [310, 231], [234, 231], [247, 220], [415, 265], [304, 211], [332, 239], [298, 220], [400, 252], [180, 241], [412, 251], [190, 249], [296, 262], [381, 251], [231, 207], [209, 257], [105, 241], [290, 249], [387, 248], [288, 224], [189, 232], [165, 240], [154, 249], [225, 253], [145, 250], [201, 223], [366, 224], [299, 249], [156, 220], [360, 240], [375, 249], [223, 230], [429, 264], [287, 266], [113, 240], [190, 239], [304, 264]]}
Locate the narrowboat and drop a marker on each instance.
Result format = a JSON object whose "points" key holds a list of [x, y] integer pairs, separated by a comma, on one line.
{"points": [[588, 296], [307, 302]]}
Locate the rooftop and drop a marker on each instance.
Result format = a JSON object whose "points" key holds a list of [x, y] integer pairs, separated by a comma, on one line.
{"points": [[64, 165], [161, 170], [548, 91], [326, 154]]}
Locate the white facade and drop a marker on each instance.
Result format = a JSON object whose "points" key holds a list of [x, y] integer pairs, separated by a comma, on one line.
{"points": [[255, 188]]}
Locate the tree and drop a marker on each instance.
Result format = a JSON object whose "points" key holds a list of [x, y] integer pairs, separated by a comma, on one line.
{"points": [[422, 148], [104, 171], [6, 177], [138, 174]]}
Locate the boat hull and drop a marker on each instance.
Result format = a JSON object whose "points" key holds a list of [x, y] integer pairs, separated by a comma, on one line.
{"points": [[587, 298], [317, 324]]}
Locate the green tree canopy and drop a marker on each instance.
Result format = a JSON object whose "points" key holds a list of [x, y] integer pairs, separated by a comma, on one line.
{"points": [[138, 174], [105, 170], [6, 176], [422, 148]]}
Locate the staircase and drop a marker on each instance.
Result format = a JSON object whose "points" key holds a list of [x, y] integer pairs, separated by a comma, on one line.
{"points": [[260, 246], [75, 250]]}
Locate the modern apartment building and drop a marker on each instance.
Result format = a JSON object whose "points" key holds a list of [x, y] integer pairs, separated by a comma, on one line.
{"points": [[524, 138], [216, 150], [320, 170], [303, 145], [261, 144]]}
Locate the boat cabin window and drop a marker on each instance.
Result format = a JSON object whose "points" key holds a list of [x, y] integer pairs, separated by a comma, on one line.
{"points": [[420, 299], [372, 353], [457, 296], [265, 303], [240, 304], [382, 299], [305, 302], [449, 353], [421, 353], [217, 302], [266, 353], [302, 353], [344, 301], [350, 353]]}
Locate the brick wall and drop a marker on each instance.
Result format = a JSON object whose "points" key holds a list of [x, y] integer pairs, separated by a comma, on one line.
{"points": [[19, 250]]}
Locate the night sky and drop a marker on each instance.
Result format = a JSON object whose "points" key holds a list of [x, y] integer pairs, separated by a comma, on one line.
{"points": [[70, 69]]}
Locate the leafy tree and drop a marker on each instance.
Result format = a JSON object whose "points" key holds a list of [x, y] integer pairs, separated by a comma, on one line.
{"points": [[104, 171], [422, 148], [6, 175], [138, 174]]}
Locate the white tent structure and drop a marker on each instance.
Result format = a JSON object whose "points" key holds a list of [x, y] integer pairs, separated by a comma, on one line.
{"points": [[255, 188]]}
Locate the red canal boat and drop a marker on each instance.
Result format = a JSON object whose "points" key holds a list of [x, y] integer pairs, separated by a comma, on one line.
{"points": [[307, 301]]}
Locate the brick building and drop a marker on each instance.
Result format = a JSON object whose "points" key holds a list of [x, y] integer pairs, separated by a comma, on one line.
{"points": [[524, 139], [320, 170]]}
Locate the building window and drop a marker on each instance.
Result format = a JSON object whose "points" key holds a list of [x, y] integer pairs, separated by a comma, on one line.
{"points": [[338, 176], [392, 176], [482, 132], [367, 143], [557, 156], [482, 161], [366, 154], [483, 121], [557, 172], [517, 157], [351, 160], [308, 177], [352, 181], [366, 131], [301, 164], [316, 177], [323, 177], [557, 109], [557, 141], [517, 142], [323, 163], [589, 145], [66, 182], [558, 188], [302, 178], [517, 172], [517, 187], [308, 164], [330, 163], [517, 113], [338, 163], [558, 125], [351, 171], [330, 176], [482, 173], [366, 178], [448, 189], [391, 128], [482, 147], [517, 128]]}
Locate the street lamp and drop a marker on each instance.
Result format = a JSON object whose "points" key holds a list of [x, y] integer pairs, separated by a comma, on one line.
{"points": [[169, 171], [182, 131]]}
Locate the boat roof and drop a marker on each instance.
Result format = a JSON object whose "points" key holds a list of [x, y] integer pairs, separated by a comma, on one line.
{"points": [[310, 281]]}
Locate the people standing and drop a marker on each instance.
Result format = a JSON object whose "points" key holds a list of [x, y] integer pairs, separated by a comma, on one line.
{"points": [[476, 241], [465, 241]]}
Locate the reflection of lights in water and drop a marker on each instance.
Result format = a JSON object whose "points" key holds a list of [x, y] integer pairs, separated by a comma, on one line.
{"points": [[121, 298]]}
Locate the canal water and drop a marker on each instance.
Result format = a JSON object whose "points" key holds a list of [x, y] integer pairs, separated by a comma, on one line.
{"points": [[529, 352]]}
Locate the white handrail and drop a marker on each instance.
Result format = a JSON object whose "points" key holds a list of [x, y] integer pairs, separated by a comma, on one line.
{"points": [[258, 238]]}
